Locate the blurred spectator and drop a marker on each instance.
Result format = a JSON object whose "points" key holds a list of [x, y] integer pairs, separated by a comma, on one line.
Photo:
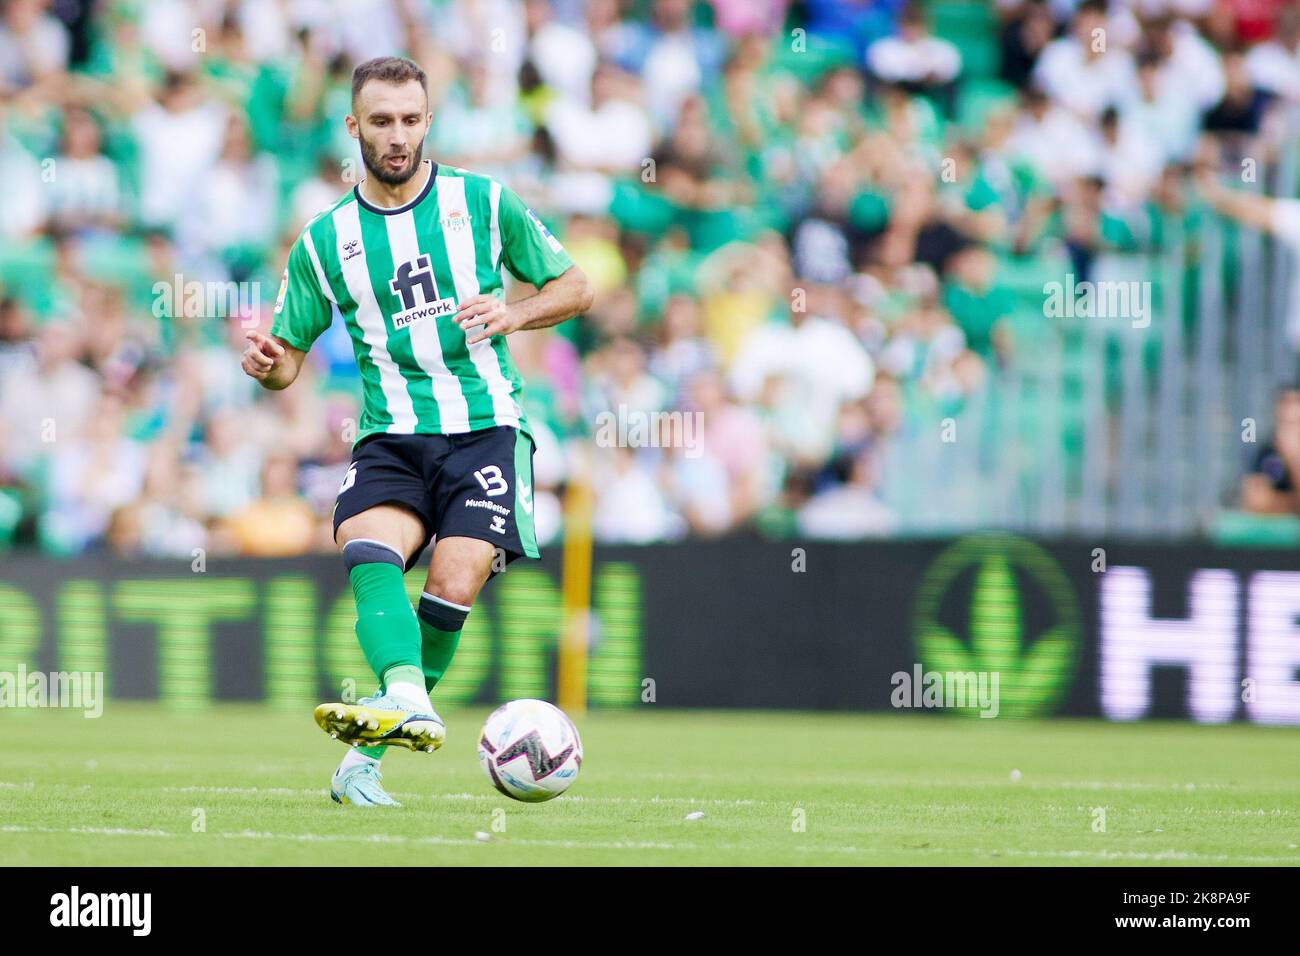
{"points": [[1188, 69], [631, 507], [15, 337], [673, 57], [851, 510], [164, 522], [1028, 29], [733, 436], [564, 53], [1057, 144], [279, 523], [682, 351], [979, 306], [1241, 109], [33, 45], [23, 211], [231, 213], [46, 394], [619, 381], [612, 134], [85, 193], [93, 471], [228, 465], [1086, 71], [468, 128], [1132, 158], [695, 158], [178, 138], [315, 193], [1270, 487], [915, 58], [814, 363], [1274, 66]]}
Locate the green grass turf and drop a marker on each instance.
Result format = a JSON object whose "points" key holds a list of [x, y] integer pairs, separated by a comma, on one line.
{"points": [[896, 789]]}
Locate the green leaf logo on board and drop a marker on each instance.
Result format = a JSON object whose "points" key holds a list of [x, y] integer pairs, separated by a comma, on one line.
{"points": [[998, 603]]}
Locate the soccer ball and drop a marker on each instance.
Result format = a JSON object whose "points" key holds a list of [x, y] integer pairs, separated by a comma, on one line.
{"points": [[530, 750]]}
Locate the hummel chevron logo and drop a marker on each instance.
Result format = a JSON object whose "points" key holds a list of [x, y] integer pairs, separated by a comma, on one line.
{"points": [[540, 761]]}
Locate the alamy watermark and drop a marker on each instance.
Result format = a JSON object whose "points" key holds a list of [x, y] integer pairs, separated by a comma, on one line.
{"points": [[937, 689], [133, 911], [77, 690], [1098, 300], [633, 428], [192, 299]]}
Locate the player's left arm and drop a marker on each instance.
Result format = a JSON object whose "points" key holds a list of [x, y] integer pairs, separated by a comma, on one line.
{"points": [[562, 298], [534, 256]]}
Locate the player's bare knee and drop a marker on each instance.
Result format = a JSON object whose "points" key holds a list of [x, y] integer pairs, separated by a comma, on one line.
{"points": [[457, 582], [391, 526], [458, 586]]}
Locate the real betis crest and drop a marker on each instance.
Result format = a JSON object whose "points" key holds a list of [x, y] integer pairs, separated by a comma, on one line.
{"points": [[456, 220]]}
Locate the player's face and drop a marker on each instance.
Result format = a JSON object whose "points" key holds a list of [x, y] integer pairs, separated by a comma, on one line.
{"points": [[390, 122]]}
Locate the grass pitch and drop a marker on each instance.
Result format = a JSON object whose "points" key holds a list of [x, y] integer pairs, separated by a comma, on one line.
{"points": [[241, 785]]}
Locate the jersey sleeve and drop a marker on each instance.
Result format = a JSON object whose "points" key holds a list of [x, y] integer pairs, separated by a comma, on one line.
{"points": [[528, 249], [302, 312]]}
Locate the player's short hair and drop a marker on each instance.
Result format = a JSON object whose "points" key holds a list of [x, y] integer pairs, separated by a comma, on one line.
{"points": [[388, 69]]}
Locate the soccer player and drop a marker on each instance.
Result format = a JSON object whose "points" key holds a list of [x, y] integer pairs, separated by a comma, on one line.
{"points": [[411, 259]]}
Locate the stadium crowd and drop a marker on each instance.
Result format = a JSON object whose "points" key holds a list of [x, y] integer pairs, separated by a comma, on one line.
{"points": [[810, 226]]}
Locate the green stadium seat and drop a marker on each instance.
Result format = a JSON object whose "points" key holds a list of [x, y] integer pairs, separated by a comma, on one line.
{"points": [[972, 26]]}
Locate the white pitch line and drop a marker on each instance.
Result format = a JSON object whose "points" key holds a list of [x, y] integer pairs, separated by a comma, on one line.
{"points": [[1162, 855], [286, 791], [1005, 783], [1177, 856], [583, 798], [1077, 808], [696, 801], [868, 779], [97, 831], [364, 838], [1120, 785], [250, 791], [455, 841]]}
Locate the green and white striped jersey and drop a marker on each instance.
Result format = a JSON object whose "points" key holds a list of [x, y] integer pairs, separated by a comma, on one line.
{"points": [[397, 276]]}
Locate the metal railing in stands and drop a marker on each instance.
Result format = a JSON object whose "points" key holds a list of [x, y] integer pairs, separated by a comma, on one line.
{"points": [[1107, 429]]}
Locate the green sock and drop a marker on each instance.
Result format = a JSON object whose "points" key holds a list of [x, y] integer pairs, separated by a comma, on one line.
{"points": [[437, 649], [386, 624], [440, 627]]}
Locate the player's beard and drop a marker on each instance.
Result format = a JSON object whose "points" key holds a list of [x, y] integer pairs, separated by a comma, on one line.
{"points": [[374, 163]]}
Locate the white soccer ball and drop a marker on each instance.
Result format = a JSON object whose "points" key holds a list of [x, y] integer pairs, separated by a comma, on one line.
{"points": [[530, 750]]}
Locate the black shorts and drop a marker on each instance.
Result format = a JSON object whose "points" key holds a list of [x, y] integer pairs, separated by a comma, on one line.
{"points": [[475, 484]]}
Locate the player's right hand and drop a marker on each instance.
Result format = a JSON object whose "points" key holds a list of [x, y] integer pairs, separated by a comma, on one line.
{"points": [[262, 355]]}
